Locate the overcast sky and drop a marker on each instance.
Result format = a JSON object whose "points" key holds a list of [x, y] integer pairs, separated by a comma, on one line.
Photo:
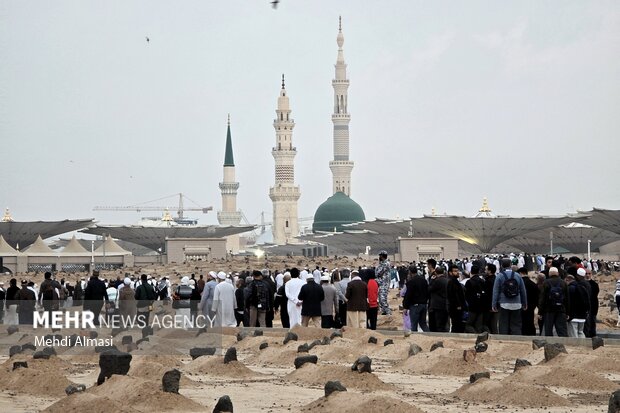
{"points": [[518, 101]]}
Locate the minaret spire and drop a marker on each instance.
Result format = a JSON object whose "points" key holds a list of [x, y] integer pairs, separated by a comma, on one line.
{"points": [[284, 194], [229, 215], [341, 166]]}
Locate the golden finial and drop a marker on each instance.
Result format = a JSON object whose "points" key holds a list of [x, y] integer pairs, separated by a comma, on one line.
{"points": [[485, 205], [7, 216]]}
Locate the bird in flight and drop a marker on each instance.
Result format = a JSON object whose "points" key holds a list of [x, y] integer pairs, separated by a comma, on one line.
{"points": [[274, 4], [147, 39]]}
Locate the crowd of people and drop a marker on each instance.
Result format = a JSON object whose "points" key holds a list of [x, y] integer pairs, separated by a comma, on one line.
{"points": [[512, 294]]}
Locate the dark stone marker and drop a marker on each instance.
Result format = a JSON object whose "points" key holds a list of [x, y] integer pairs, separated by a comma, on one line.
{"points": [[414, 349], [113, 362], [231, 355], [13, 350], [481, 347], [77, 388], [224, 405], [554, 350], [362, 364], [332, 386], [301, 360], [482, 337], [263, 345], [372, 340], [170, 381], [520, 363], [290, 336], [597, 342], [437, 345], [477, 376], [20, 364], [201, 351], [537, 343]]}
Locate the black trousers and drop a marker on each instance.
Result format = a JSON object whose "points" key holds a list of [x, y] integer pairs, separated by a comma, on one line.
{"points": [[342, 312], [528, 328], [438, 321], [327, 321], [456, 321], [371, 318]]}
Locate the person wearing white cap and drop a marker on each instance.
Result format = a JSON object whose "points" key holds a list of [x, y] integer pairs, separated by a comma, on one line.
{"points": [[206, 300], [224, 302], [303, 275], [126, 300], [317, 276], [181, 302], [554, 304], [311, 295], [329, 305]]}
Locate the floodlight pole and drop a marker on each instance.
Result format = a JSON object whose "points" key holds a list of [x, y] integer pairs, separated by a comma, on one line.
{"points": [[589, 257], [92, 256], [551, 243]]}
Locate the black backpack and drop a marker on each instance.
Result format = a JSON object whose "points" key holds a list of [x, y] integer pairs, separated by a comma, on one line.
{"points": [[510, 287], [556, 296]]}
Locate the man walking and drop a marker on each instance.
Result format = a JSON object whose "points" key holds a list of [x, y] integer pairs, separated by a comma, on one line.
{"points": [[94, 295], [438, 305], [416, 299], [261, 300], [292, 289], [311, 295], [357, 301], [456, 300], [509, 298], [145, 296], [329, 305], [382, 275], [554, 304], [474, 294]]}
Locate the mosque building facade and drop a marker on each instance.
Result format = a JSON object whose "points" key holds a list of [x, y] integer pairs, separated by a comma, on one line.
{"points": [[284, 194], [229, 215]]}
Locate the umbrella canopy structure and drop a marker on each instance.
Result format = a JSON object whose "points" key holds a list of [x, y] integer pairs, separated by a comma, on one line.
{"points": [[155, 237], [573, 238], [608, 219], [488, 232], [25, 233]]}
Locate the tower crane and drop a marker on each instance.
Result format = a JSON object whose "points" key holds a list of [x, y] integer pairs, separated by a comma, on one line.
{"points": [[181, 208]]}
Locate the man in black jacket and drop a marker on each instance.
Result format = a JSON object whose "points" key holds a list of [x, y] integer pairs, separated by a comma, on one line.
{"points": [[491, 319], [260, 300], [456, 300], [311, 296], [438, 306], [474, 294], [415, 301], [94, 295], [528, 326], [145, 296], [590, 328]]}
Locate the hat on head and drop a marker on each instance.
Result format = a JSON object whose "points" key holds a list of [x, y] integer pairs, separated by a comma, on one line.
{"points": [[553, 271], [24, 282], [192, 283], [325, 277], [221, 275], [212, 274], [355, 272], [581, 272], [1, 282], [185, 280], [127, 281]]}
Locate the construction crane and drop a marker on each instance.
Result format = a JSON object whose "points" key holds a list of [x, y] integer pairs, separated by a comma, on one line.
{"points": [[181, 208]]}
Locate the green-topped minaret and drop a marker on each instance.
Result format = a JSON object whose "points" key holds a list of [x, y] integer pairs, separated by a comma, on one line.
{"points": [[229, 215], [229, 159]]}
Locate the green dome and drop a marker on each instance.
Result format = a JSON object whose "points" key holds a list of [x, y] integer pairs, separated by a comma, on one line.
{"points": [[339, 209]]}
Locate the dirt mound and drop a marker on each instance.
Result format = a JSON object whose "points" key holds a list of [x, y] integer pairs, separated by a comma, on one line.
{"points": [[508, 393], [143, 396], [282, 356], [441, 362], [38, 379], [318, 375], [214, 366], [345, 402], [96, 404], [559, 376]]}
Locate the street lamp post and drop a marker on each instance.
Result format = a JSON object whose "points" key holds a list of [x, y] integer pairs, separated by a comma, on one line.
{"points": [[589, 256], [551, 243]]}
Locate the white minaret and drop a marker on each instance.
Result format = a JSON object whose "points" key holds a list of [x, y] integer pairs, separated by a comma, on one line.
{"points": [[284, 194], [229, 214], [341, 166]]}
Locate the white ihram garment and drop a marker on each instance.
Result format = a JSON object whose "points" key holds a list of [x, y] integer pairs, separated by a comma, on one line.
{"points": [[292, 289]]}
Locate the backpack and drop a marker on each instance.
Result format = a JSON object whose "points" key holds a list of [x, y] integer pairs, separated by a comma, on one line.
{"points": [[556, 296], [510, 287]]}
